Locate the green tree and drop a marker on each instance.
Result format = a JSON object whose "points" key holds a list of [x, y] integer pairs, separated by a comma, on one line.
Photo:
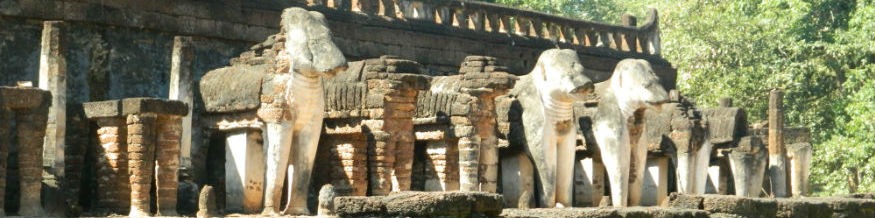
{"points": [[821, 52]]}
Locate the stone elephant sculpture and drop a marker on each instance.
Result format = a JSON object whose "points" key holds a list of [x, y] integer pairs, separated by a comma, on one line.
{"points": [[277, 88], [547, 129], [618, 122]]}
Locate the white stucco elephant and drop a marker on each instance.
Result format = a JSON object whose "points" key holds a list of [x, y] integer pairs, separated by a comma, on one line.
{"points": [[292, 135], [546, 96], [617, 126]]}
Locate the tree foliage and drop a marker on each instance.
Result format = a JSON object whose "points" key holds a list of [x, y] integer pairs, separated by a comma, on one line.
{"points": [[821, 52]]}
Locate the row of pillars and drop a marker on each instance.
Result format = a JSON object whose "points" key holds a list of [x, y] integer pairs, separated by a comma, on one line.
{"points": [[53, 78]]}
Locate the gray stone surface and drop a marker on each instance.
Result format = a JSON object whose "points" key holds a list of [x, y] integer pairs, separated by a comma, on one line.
{"points": [[452, 204], [605, 212], [421, 204], [732, 206], [726, 124], [234, 88], [359, 206], [22, 97], [127, 106]]}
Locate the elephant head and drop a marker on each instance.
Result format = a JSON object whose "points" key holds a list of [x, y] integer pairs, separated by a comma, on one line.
{"points": [[558, 74], [637, 86], [309, 48]]}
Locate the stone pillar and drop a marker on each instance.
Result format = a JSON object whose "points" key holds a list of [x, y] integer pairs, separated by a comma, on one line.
{"points": [[692, 155], [31, 127], [399, 124], [589, 182], [380, 165], [517, 178], [655, 187], [469, 164], [443, 158], [151, 129], [167, 159], [349, 152], [748, 163], [799, 155], [5, 141], [181, 83], [112, 166], [141, 148], [244, 171], [777, 160], [53, 78]]}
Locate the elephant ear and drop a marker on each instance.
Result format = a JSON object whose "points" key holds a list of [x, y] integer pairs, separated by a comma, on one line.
{"points": [[295, 22]]}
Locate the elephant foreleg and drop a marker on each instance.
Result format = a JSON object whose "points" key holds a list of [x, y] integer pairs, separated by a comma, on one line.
{"points": [[301, 158], [279, 143], [547, 169], [636, 168], [565, 170], [615, 150]]}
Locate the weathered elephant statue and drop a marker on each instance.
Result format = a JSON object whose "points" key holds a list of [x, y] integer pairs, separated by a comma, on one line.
{"points": [[278, 88], [546, 96], [618, 122]]}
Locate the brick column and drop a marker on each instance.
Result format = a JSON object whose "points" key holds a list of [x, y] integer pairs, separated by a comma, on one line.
{"points": [[141, 151], [398, 116], [5, 142], [469, 153], [112, 166], [443, 158], [350, 152], [31, 130], [381, 164], [777, 160], [167, 157]]}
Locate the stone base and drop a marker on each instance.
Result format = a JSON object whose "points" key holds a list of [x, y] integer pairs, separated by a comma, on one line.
{"points": [[733, 206], [605, 212], [421, 204]]}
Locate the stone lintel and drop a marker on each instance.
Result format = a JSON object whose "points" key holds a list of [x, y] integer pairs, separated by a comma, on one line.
{"points": [[127, 106], [22, 97]]}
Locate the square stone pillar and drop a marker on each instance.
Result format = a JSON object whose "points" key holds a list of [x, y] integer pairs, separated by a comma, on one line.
{"points": [[589, 182], [244, 171], [181, 89], [799, 157], [6, 119], [655, 187], [28, 108], [777, 157], [747, 162], [53, 78], [517, 181], [153, 129]]}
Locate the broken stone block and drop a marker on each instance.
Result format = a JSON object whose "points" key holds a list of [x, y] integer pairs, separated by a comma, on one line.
{"points": [[605, 212], [326, 200], [454, 204], [207, 203], [359, 206]]}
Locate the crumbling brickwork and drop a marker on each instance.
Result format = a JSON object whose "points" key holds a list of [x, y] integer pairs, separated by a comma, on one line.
{"points": [[369, 115], [27, 108], [141, 134]]}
